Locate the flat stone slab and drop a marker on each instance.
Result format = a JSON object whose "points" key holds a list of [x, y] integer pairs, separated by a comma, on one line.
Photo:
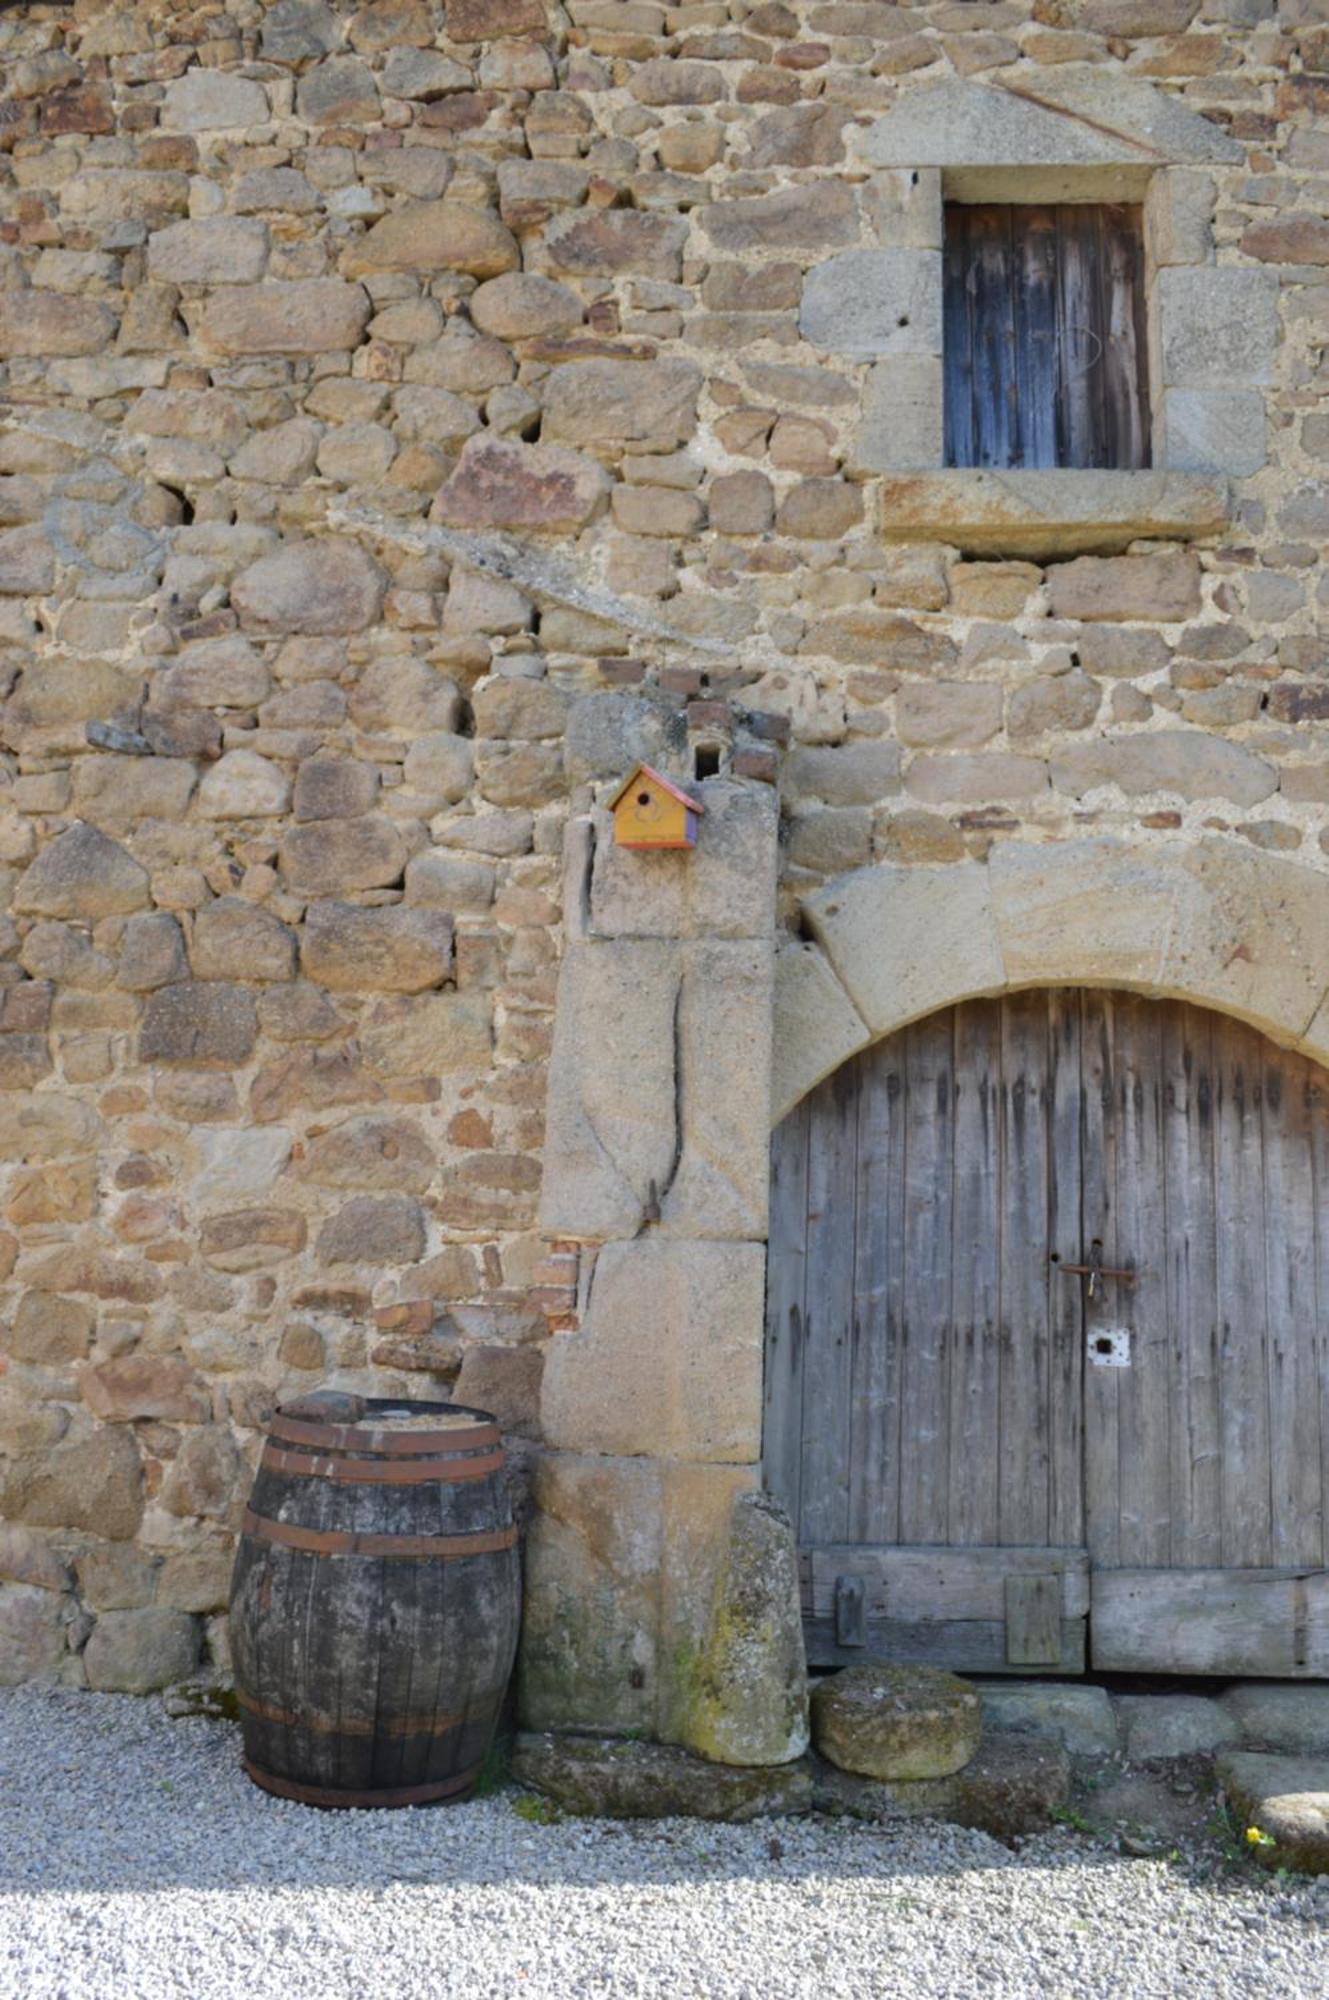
{"points": [[1012, 1785], [1271, 1715], [1287, 1799], [1080, 1718], [609, 1778], [905, 1723], [1156, 1726], [1049, 513]]}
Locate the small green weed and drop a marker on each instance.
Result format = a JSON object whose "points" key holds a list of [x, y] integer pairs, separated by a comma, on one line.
{"points": [[535, 1810]]}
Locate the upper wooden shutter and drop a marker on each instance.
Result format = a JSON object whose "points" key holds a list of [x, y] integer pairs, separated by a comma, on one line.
{"points": [[1044, 336]]}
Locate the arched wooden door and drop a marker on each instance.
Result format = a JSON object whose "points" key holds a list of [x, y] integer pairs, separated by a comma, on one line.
{"points": [[1000, 1461]]}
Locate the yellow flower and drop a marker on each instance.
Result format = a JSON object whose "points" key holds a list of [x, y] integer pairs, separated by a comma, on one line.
{"points": [[1257, 1838]]}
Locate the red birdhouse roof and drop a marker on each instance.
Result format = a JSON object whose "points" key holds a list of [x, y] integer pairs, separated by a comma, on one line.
{"points": [[657, 778]]}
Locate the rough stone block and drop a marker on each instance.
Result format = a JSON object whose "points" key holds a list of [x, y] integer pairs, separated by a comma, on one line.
{"points": [[389, 1153], [1251, 937], [146, 1385], [1088, 911], [602, 402], [331, 857], [1215, 430], [668, 1361], [1161, 589], [821, 215], [859, 919], [316, 587], [1080, 1718], [243, 785], [210, 100], [202, 1024], [1189, 764], [612, 1115], [1156, 1726], [947, 714], [719, 1185], [1056, 513], [529, 488], [901, 1723], [607, 241], [1012, 1785], [231, 935], [390, 950], [722, 887], [135, 1652], [1270, 1715], [1179, 217], [817, 1026], [313, 316], [52, 324], [751, 1682], [1104, 98], [32, 1634], [901, 428], [92, 1482], [1218, 327], [589, 1652], [608, 1778], [217, 250], [434, 236], [1286, 1798], [874, 302], [84, 875]]}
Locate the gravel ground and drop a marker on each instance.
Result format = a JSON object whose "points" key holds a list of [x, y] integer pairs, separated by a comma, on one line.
{"points": [[136, 1860]]}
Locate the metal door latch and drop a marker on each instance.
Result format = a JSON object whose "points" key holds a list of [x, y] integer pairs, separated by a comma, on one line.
{"points": [[1096, 1270]]}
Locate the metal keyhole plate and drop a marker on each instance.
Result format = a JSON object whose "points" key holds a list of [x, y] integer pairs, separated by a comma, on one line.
{"points": [[1109, 1347]]}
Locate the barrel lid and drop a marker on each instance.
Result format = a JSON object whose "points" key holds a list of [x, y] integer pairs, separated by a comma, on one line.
{"points": [[389, 1424]]}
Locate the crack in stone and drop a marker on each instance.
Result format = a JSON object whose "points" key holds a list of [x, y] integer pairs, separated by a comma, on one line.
{"points": [[496, 555]]}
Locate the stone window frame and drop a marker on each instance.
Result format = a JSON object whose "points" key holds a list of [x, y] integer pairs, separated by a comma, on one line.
{"points": [[1212, 329]]}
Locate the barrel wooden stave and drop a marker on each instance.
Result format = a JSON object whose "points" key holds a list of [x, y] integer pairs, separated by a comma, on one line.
{"points": [[364, 1674]]}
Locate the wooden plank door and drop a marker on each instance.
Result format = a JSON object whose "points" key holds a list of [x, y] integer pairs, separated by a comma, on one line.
{"points": [[923, 1378], [976, 1446], [1206, 1455]]}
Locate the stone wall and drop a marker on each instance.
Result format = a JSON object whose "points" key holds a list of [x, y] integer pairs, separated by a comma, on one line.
{"points": [[410, 414]]}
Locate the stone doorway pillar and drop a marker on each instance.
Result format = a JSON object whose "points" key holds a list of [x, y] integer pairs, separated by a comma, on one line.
{"points": [[656, 1166]]}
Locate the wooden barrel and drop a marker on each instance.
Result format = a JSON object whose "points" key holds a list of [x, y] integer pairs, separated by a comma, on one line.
{"points": [[375, 1602]]}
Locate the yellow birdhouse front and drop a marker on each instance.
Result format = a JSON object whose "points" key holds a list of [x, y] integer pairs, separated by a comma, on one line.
{"points": [[650, 811]]}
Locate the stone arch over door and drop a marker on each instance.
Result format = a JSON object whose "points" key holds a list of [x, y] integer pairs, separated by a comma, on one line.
{"points": [[1209, 921]]}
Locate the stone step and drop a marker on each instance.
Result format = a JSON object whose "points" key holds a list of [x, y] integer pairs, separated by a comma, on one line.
{"points": [[904, 1723], [1013, 1784], [1284, 1799], [615, 1778]]}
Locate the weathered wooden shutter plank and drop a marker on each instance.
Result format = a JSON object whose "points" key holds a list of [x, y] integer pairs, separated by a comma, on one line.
{"points": [[924, 1334], [1079, 398], [1125, 378], [1289, 1231], [879, 1285], [1319, 1165], [1143, 1412], [1098, 1200], [1034, 277], [1192, 1302], [993, 353], [957, 343], [1065, 1294], [1244, 1407], [1211, 1621], [829, 1312], [1025, 1272], [785, 1280], [973, 1507]]}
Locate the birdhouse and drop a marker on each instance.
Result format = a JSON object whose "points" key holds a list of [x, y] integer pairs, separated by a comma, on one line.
{"points": [[649, 811]]}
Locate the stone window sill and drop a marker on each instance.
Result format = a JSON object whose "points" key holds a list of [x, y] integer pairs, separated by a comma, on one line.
{"points": [[1041, 514]]}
